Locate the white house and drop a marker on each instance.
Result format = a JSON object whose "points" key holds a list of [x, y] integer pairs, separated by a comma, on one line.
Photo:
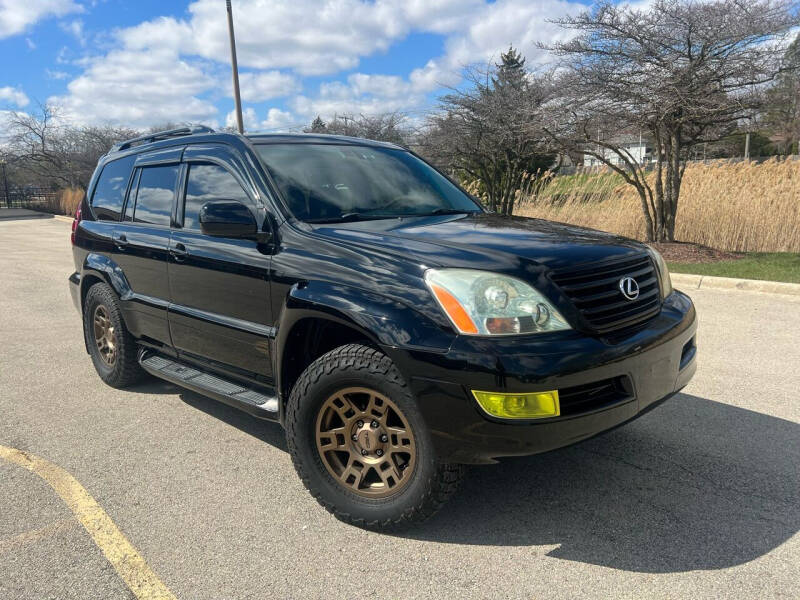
{"points": [[639, 147]]}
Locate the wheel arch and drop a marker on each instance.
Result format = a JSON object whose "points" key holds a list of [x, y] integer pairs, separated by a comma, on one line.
{"points": [[100, 268], [317, 317]]}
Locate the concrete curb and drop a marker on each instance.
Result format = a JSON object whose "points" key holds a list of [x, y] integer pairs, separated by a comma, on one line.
{"points": [[697, 282]]}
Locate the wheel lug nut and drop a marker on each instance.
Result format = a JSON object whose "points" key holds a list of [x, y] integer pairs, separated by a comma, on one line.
{"points": [[374, 424], [379, 452], [363, 453], [355, 437], [360, 424], [384, 438]]}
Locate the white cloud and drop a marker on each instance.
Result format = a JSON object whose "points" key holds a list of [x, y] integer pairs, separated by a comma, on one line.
{"points": [[174, 68], [276, 120], [476, 35], [30, 43], [13, 96], [74, 28], [257, 87], [280, 120], [17, 15], [55, 74], [138, 89], [310, 37]]}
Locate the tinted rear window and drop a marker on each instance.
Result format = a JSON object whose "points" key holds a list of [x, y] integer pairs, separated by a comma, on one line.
{"points": [[156, 194], [109, 193]]}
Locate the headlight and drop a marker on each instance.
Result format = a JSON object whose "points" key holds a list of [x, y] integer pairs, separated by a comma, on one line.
{"points": [[485, 303], [665, 283]]}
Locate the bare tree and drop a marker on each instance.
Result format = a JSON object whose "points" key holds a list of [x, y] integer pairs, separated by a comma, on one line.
{"points": [[53, 153], [387, 127], [489, 129], [783, 102], [683, 71]]}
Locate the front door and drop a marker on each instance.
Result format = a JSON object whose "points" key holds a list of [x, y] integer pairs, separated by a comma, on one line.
{"points": [[219, 287]]}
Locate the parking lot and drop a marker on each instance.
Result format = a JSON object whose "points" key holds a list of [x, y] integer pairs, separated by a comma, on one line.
{"points": [[700, 498]]}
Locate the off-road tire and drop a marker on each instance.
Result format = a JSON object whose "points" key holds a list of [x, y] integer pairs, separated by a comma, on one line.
{"points": [[432, 483], [125, 370]]}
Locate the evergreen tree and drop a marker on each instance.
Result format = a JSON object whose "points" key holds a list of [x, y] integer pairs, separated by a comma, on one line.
{"points": [[317, 126], [510, 71]]}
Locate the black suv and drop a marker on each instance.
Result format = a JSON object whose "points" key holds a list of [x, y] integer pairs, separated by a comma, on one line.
{"points": [[351, 292]]}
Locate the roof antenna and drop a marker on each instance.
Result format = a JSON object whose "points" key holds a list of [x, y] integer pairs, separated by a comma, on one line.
{"points": [[237, 98]]}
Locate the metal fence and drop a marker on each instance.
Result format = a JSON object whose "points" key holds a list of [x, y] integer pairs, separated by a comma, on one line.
{"points": [[43, 199]]}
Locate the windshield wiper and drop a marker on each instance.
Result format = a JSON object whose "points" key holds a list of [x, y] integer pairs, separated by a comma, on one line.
{"points": [[446, 211], [350, 216]]}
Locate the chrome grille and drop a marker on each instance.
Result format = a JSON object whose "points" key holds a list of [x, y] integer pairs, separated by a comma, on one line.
{"points": [[594, 289]]}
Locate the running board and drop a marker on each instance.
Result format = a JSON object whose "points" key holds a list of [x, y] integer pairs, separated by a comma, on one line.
{"points": [[246, 399]]}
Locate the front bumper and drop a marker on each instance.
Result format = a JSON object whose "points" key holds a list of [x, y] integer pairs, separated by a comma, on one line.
{"points": [[655, 362]]}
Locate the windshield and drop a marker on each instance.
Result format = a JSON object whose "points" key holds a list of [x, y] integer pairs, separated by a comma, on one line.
{"points": [[338, 182]]}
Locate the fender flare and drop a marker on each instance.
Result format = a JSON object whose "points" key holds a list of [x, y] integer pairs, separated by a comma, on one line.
{"points": [[104, 268], [393, 326]]}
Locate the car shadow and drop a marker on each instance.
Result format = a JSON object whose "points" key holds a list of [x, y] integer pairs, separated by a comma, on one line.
{"points": [[266, 431], [695, 484]]}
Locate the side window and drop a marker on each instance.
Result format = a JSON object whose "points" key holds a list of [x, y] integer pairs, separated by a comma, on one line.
{"points": [[155, 194], [209, 182], [109, 193]]}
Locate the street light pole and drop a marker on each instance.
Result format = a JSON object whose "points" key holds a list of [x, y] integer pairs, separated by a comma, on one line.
{"points": [[237, 98], [5, 183]]}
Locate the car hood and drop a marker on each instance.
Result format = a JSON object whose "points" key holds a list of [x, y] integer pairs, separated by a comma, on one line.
{"points": [[482, 241]]}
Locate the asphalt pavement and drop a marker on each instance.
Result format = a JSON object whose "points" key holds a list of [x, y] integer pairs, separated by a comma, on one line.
{"points": [[698, 499]]}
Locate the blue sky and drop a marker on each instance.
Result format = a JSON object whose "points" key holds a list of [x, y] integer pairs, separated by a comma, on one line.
{"points": [[143, 62]]}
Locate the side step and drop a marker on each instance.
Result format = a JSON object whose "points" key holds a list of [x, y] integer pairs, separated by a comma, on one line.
{"points": [[246, 399]]}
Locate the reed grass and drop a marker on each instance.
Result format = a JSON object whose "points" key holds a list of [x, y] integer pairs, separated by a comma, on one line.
{"points": [[69, 199], [744, 206]]}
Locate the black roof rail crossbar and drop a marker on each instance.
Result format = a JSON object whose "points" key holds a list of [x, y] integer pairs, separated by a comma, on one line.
{"points": [[161, 135]]}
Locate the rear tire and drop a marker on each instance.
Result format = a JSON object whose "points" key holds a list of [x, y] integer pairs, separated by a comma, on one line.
{"points": [[111, 346], [360, 444]]}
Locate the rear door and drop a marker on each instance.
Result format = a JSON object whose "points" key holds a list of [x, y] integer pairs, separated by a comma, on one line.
{"points": [[142, 241], [219, 287]]}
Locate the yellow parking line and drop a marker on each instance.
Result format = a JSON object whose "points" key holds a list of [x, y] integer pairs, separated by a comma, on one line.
{"points": [[130, 565]]}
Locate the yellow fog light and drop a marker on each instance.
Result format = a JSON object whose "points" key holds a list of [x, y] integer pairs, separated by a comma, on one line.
{"points": [[535, 405]]}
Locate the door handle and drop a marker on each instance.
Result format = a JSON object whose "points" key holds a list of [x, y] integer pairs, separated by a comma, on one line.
{"points": [[120, 240], [178, 252]]}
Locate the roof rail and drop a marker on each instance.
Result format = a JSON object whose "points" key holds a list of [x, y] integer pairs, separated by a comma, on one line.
{"points": [[160, 135]]}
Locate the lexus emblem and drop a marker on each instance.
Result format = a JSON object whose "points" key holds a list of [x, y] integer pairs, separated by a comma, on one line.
{"points": [[629, 288]]}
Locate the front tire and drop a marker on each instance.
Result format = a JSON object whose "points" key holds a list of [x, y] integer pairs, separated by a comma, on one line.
{"points": [[360, 444], [110, 344]]}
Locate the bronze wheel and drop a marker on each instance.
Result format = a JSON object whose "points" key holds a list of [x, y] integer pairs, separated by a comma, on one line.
{"points": [[365, 442], [104, 336]]}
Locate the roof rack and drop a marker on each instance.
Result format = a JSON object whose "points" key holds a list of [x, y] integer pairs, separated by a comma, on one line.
{"points": [[160, 135]]}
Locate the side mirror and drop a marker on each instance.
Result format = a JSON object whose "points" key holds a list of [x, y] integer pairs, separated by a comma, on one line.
{"points": [[228, 218]]}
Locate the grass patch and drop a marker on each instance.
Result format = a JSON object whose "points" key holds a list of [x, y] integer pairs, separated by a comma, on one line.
{"points": [[771, 266]]}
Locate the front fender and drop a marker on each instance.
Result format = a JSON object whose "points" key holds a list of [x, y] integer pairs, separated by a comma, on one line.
{"points": [[392, 325]]}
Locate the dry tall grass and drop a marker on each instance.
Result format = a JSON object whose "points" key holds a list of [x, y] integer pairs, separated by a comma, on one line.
{"points": [[743, 206], [69, 199]]}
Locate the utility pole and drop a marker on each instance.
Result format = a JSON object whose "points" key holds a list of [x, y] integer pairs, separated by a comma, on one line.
{"points": [[747, 146], [236, 97]]}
